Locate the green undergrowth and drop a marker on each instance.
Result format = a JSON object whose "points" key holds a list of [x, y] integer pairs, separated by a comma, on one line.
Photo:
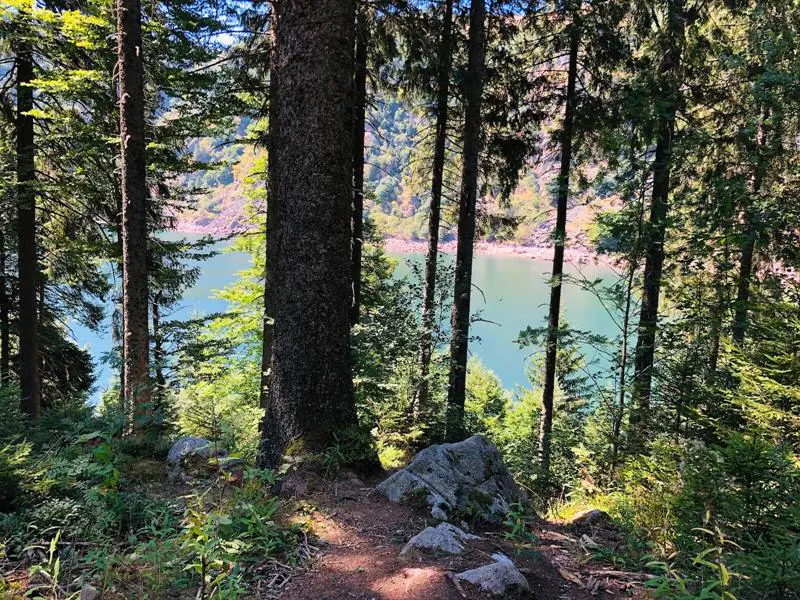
{"points": [[83, 506]]}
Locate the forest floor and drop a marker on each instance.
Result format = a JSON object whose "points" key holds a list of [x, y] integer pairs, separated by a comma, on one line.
{"points": [[360, 535]]}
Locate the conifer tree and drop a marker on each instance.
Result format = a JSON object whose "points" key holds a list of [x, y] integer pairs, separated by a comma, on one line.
{"points": [[311, 388], [134, 208], [472, 143], [443, 65]]}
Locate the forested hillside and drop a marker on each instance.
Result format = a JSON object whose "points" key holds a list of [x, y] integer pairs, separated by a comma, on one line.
{"points": [[397, 194], [331, 433]]}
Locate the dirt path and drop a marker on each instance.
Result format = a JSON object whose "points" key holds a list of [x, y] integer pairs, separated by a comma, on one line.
{"points": [[361, 533]]}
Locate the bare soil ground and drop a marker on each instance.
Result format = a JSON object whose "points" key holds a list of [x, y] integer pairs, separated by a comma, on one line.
{"points": [[360, 534]]}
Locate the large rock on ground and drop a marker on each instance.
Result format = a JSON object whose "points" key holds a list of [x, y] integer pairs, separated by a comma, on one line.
{"points": [[444, 539], [466, 479], [499, 578], [189, 455]]}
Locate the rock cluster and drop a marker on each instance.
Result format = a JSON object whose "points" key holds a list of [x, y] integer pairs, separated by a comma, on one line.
{"points": [[466, 479], [463, 480]]}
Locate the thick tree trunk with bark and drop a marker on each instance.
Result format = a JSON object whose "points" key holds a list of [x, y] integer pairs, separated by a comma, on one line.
{"points": [[460, 316], [445, 59], [30, 385], [559, 235], [657, 225], [134, 208], [359, 125], [311, 388], [272, 222], [5, 330]]}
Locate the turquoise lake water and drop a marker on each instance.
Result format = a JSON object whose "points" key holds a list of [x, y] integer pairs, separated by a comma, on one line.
{"points": [[511, 293]]}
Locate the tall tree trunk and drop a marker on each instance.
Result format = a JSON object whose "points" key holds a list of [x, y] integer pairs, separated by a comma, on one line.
{"points": [[359, 126], [30, 384], [5, 331], [460, 316], [134, 208], [747, 253], [311, 389], [271, 262], [657, 226], [559, 235], [445, 59]]}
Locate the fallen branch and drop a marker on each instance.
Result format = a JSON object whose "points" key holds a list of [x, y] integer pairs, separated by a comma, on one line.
{"points": [[451, 576], [623, 575]]}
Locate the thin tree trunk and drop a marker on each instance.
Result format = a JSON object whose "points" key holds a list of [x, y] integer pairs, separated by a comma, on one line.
{"points": [[560, 234], [311, 389], [747, 254], [657, 227], [359, 125], [445, 59], [30, 384], [134, 209], [158, 348], [5, 332], [272, 222], [623, 373], [460, 316]]}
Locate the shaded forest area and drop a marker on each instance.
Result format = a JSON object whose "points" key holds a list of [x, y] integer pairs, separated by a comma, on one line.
{"points": [[214, 466]]}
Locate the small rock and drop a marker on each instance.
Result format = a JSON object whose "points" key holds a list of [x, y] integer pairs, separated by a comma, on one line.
{"points": [[589, 543], [590, 518], [498, 578], [89, 592], [191, 453], [467, 478], [444, 538]]}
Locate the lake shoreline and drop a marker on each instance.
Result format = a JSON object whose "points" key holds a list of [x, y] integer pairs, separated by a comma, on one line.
{"points": [[576, 254]]}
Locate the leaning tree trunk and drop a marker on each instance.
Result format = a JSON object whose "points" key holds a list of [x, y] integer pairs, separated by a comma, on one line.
{"points": [[27, 262], [459, 320], [657, 227], [560, 234], [748, 248], [5, 330], [134, 210], [311, 389], [359, 127], [445, 60]]}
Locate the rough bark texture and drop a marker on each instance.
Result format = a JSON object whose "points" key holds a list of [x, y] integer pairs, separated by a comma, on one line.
{"points": [[359, 124], [30, 385], [5, 332], [445, 60], [657, 225], [560, 234], [271, 225], [311, 389], [134, 210], [459, 320]]}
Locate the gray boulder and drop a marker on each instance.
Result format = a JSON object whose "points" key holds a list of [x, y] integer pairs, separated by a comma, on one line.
{"points": [[466, 479], [444, 539], [191, 454], [499, 578]]}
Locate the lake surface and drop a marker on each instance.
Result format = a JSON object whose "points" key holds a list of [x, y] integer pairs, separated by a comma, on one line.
{"points": [[514, 293]]}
